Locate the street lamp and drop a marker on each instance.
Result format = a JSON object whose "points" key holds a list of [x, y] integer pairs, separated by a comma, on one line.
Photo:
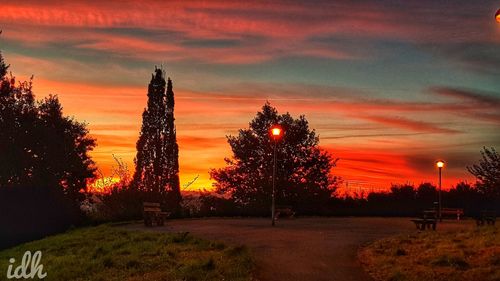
{"points": [[497, 16], [276, 132], [440, 165]]}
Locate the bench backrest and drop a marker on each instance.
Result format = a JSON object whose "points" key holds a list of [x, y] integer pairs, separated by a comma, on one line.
{"points": [[452, 211], [151, 207]]}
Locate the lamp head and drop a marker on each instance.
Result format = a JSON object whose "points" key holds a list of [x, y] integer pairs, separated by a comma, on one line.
{"points": [[276, 131], [440, 164]]}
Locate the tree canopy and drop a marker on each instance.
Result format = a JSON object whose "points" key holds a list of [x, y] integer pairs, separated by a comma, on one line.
{"points": [[303, 177], [40, 147], [487, 172]]}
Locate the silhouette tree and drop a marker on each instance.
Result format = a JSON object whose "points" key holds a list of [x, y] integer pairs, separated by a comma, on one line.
{"points": [[427, 194], [403, 192], [3, 67], [303, 177], [40, 147], [5, 83], [487, 173], [465, 196], [157, 164]]}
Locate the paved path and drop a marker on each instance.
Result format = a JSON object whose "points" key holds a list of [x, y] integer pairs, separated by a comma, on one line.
{"points": [[305, 249]]}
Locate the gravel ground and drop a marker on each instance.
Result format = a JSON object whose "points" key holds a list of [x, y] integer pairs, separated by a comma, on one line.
{"points": [[305, 249]]}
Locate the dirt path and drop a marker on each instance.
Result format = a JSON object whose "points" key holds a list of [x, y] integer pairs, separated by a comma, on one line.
{"points": [[305, 249]]}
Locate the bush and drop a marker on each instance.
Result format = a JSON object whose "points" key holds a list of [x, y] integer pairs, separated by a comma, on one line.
{"points": [[31, 213], [119, 205]]}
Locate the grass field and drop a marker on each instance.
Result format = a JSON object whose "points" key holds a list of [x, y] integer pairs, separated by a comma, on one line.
{"points": [[463, 255], [109, 253]]}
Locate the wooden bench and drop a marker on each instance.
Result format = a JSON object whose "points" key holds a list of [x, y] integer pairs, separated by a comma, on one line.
{"points": [[152, 214], [488, 217], [283, 211], [452, 212], [428, 220]]}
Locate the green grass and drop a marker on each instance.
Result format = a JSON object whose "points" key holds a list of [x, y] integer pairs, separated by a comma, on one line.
{"points": [[456, 255], [110, 253]]}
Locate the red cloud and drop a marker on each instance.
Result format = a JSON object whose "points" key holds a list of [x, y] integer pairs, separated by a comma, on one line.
{"points": [[418, 126], [264, 30]]}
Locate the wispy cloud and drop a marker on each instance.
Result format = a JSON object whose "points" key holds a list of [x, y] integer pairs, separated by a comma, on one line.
{"points": [[253, 33], [467, 95], [418, 126]]}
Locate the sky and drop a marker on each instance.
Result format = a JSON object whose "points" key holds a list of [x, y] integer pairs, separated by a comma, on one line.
{"points": [[389, 86]]}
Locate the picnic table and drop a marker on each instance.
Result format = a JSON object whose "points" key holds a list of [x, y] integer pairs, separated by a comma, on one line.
{"points": [[428, 220], [486, 217]]}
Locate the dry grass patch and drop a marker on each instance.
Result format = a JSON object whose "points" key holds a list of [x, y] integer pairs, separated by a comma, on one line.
{"points": [[465, 255]]}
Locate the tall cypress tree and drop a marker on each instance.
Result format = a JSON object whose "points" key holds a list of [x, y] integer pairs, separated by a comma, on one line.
{"points": [[157, 160], [172, 151]]}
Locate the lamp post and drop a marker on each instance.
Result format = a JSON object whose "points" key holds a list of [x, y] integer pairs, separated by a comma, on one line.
{"points": [[276, 134], [440, 165]]}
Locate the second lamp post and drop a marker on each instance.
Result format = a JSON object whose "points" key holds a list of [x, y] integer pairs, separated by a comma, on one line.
{"points": [[440, 165]]}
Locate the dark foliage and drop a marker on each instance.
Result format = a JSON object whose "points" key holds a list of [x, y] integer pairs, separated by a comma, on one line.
{"points": [[210, 205], [157, 160], [44, 163], [5, 83], [121, 204], [43, 147], [401, 200], [405, 200], [29, 213], [38, 145], [487, 173], [303, 177]]}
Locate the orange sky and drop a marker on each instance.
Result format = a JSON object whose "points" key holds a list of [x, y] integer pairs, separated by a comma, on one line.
{"points": [[387, 92]]}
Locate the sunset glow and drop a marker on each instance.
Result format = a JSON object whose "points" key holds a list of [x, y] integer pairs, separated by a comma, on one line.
{"points": [[388, 88]]}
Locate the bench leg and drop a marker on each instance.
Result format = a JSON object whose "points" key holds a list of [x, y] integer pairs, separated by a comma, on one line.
{"points": [[147, 221]]}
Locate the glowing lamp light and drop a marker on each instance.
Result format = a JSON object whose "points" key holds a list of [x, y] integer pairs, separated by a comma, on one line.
{"points": [[440, 164], [276, 131], [497, 16]]}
